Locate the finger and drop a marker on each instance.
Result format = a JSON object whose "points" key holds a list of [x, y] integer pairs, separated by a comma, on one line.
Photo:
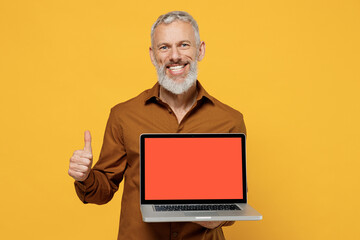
{"points": [[78, 167], [78, 176], [81, 160], [82, 154], [87, 139]]}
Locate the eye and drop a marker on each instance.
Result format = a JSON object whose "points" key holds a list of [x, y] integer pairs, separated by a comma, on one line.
{"points": [[163, 48], [184, 45]]}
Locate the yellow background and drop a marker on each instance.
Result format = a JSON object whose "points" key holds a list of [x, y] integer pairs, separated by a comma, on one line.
{"points": [[291, 67]]}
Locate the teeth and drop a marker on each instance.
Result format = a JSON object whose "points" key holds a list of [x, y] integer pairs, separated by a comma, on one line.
{"points": [[174, 68]]}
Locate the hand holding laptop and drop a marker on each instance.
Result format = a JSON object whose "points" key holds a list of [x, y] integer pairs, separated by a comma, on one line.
{"points": [[81, 160], [209, 224]]}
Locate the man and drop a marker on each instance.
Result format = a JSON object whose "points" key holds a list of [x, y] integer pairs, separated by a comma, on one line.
{"points": [[176, 104]]}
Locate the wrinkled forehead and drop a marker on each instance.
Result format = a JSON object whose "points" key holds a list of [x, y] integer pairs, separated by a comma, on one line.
{"points": [[174, 32]]}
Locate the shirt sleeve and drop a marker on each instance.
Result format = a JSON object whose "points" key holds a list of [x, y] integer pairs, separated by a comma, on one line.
{"points": [[239, 125], [106, 175]]}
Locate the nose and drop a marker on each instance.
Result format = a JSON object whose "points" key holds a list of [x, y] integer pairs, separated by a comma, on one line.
{"points": [[175, 54]]}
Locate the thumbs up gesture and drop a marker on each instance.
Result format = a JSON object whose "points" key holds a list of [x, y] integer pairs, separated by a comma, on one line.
{"points": [[81, 160]]}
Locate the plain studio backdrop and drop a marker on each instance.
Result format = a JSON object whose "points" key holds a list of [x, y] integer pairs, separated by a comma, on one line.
{"points": [[291, 67]]}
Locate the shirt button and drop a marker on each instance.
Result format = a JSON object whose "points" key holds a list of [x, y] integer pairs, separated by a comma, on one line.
{"points": [[174, 234]]}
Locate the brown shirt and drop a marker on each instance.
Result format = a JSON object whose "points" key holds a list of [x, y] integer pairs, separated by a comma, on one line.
{"points": [[119, 158]]}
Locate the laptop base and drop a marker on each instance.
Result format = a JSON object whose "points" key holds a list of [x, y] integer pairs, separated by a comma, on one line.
{"points": [[247, 213]]}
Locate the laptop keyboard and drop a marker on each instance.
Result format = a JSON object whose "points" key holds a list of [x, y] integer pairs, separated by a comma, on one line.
{"points": [[210, 207]]}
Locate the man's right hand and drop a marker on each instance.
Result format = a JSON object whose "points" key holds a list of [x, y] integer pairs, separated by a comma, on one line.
{"points": [[81, 160]]}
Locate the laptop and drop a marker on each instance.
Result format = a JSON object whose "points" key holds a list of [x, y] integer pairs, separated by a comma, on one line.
{"points": [[194, 177]]}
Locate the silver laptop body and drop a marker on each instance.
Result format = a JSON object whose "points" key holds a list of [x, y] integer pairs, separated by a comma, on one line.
{"points": [[194, 177]]}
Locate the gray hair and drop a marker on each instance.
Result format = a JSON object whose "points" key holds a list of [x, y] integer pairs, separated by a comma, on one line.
{"points": [[173, 16]]}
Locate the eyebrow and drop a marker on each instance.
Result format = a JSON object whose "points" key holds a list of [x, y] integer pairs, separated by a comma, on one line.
{"points": [[165, 43]]}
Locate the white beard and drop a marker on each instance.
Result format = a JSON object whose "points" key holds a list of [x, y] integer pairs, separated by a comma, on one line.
{"points": [[173, 86]]}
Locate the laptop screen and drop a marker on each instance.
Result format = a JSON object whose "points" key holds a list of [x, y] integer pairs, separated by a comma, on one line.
{"points": [[193, 167]]}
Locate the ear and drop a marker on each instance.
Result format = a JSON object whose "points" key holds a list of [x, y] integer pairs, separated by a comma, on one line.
{"points": [[152, 56], [201, 51]]}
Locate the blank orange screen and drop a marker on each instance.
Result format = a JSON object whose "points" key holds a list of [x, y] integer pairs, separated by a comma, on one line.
{"points": [[193, 168]]}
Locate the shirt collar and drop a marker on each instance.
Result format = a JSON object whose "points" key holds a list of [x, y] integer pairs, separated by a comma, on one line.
{"points": [[153, 93]]}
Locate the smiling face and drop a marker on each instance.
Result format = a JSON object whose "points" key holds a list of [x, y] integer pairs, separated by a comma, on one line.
{"points": [[174, 53]]}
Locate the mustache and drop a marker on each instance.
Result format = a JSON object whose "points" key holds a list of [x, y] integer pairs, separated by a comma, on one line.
{"points": [[169, 63]]}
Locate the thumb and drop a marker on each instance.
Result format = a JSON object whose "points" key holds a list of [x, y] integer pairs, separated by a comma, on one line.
{"points": [[87, 139]]}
